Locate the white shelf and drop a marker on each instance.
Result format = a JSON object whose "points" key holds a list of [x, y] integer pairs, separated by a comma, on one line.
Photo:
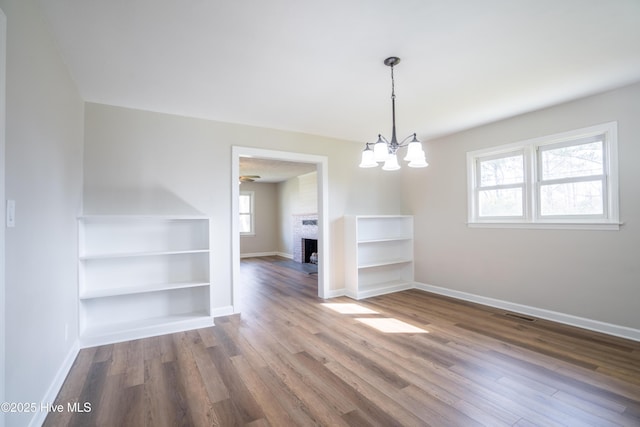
{"points": [[124, 331], [378, 254], [141, 217], [140, 254], [384, 227], [384, 263], [143, 275], [388, 239], [124, 236], [381, 288], [129, 290]]}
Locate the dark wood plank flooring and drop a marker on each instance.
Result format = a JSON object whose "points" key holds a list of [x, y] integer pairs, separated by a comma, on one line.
{"points": [[290, 359]]}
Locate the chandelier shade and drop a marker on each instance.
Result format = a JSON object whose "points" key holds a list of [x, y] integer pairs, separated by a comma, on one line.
{"points": [[368, 158], [391, 164], [385, 151]]}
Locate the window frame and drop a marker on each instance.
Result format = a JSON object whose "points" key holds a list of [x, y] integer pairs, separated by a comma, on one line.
{"points": [[540, 182], [532, 150], [478, 188], [251, 213]]}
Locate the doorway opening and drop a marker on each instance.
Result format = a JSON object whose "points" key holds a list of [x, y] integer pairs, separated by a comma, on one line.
{"points": [[322, 238]]}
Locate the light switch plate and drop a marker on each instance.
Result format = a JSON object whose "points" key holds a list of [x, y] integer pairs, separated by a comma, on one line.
{"points": [[11, 213]]}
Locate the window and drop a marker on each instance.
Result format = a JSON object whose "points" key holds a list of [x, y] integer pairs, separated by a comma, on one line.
{"points": [[567, 180], [572, 179], [501, 189], [245, 207]]}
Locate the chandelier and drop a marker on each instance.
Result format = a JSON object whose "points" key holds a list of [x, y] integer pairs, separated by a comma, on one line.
{"points": [[387, 151]]}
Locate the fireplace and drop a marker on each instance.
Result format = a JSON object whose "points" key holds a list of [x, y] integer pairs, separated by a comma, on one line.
{"points": [[309, 247], [305, 227]]}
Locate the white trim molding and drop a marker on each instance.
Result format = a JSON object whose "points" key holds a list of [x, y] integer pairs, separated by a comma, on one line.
{"points": [[261, 254], [258, 254], [322, 168], [529, 211], [284, 255], [335, 293], [567, 319], [222, 311], [56, 385], [390, 289]]}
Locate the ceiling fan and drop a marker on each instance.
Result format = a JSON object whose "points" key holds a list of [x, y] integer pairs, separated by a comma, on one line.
{"points": [[248, 178]]}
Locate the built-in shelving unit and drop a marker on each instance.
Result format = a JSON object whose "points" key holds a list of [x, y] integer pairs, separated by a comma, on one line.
{"points": [[142, 275], [378, 254]]}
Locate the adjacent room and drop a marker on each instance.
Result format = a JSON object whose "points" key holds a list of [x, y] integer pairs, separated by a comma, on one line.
{"points": [[278, 211], [320, 213]]}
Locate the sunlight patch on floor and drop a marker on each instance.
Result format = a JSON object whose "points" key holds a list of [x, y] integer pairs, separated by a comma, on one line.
{"points": [[391, 326], [349, 308]]}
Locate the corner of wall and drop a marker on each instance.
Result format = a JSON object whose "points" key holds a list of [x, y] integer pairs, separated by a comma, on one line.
{"points": [[55, 386]]}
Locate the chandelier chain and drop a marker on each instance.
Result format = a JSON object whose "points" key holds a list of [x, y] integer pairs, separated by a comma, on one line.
{"points": [[393, 85]]}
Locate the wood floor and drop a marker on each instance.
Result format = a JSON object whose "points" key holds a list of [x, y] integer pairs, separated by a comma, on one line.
{"points": [[410, 358]]}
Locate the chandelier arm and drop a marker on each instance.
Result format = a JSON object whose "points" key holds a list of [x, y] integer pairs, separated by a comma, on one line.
{"points": [[404, 141]]}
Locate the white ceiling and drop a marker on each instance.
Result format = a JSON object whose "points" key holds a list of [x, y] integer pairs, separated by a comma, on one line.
{"points": [[316, 66], [272, 171]]}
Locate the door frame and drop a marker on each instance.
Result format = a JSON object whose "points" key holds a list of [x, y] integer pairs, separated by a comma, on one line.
{"points": [[322, 168]]}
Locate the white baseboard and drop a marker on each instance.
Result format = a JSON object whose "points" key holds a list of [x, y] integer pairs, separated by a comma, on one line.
{"points": [[334, 293], [581, 322], [261, 254], [284, 255], [567, 319], [222, 311], [381, 291], [257, 254], [56, 384]]}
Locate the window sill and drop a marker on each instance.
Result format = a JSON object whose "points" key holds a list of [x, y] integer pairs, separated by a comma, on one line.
{"points": [[606, 226]]}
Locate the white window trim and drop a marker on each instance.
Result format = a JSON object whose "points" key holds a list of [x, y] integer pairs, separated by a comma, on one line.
{"points": [[252, 214], [525, 190], [531, 218]]}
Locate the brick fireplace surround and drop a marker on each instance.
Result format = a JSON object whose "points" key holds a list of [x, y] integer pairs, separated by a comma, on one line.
{"points": [[304, 227]]}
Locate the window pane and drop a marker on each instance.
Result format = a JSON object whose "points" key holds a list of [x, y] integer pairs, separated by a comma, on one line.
{"points": [[506, 202], [245, 203], [573, 161], [574, 198], [505, 170], [245, 223]]}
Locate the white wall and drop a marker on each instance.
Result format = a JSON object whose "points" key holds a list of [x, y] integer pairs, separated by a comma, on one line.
{"points": [[307, 197], [287, 192], [145, 162], [265, 200], [590, 274], [44, 133]]}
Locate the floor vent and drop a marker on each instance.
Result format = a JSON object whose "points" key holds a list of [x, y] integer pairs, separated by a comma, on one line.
{"points": [[520, 317]]}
